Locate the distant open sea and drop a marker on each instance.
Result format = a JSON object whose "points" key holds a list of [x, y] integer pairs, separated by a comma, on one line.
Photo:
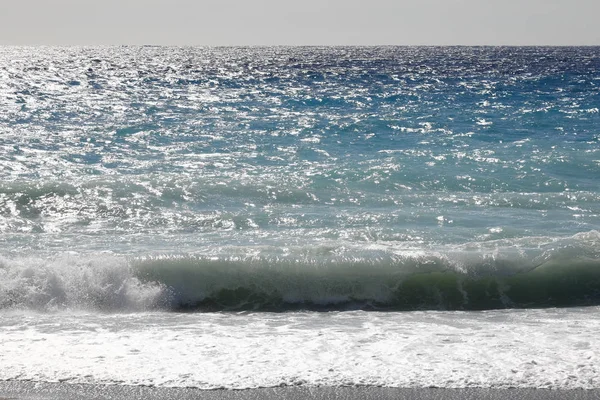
{"points": [[318, 216]]}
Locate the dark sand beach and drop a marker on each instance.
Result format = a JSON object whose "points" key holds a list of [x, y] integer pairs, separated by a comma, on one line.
{"points": [[65, 391]]}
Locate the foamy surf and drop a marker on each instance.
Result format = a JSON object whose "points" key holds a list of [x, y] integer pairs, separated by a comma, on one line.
{"points": [[544, 348]]}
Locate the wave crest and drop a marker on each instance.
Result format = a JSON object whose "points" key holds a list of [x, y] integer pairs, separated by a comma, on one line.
{"points": [[532, 272]]}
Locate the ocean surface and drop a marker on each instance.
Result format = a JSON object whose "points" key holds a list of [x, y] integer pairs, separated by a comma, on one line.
{"points": [[267, 216]]}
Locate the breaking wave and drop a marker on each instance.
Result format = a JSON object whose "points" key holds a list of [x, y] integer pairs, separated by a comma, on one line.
{"points": [[549, 273]]}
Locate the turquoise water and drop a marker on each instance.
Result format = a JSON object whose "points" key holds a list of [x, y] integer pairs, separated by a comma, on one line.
{"points": [[136, 178]]}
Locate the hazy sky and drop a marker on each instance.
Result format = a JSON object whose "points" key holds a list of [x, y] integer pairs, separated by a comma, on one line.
{"points": [[272, 22]]}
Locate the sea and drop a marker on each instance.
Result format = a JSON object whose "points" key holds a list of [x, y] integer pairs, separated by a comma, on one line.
{"points": [[244, 217]]}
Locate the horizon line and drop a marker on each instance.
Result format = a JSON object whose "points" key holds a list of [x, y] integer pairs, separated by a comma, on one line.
{"points": [[286, 45]]}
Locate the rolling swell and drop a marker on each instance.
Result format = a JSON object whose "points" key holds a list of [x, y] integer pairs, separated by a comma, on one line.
{"points": [[271, 286], [478, 276]]}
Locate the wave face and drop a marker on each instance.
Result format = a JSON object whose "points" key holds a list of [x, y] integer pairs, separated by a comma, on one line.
{"points": [[138, 178], [555, 273]]}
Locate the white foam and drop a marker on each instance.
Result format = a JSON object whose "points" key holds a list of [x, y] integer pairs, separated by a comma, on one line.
{"points": [[552, 348], [100, 282]]}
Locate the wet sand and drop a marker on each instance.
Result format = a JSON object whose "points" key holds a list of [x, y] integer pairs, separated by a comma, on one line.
{"points": [[50, 391]]}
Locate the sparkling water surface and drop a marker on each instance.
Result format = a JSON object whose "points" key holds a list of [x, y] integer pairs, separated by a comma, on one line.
{"points": [[190, 167], [143, 149]]}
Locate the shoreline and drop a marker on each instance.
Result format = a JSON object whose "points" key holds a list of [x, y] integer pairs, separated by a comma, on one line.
{"points": [[27, 390]]}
